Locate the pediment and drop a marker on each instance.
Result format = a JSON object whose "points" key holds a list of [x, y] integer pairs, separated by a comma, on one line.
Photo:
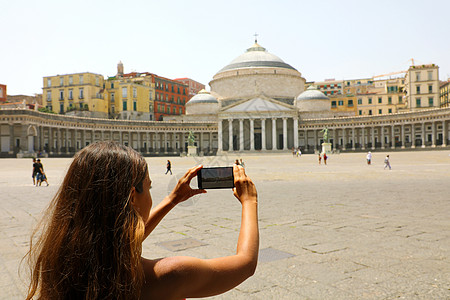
{"points": [[258, 104]]}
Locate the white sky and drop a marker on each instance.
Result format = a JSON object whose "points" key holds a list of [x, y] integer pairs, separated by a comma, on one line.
{"points": [[344, 39]]}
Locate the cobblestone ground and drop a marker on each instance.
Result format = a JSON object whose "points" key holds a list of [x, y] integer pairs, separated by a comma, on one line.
{"points": [[346, 230]]}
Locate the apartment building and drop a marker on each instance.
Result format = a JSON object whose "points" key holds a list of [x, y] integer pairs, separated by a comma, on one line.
{"points": [[170, 97], [193, 86], [130, 96], [443, 93], [3, 93], [422, 87], [72, 93]]}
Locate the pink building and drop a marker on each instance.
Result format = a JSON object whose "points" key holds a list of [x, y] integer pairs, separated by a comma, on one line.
{"points": [[2, 93], [194, 86]]}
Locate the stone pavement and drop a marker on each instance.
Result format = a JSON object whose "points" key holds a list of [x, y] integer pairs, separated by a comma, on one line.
{"points": [[342, 231]]}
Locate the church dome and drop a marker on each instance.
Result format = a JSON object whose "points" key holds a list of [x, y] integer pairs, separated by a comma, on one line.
{"points": [[202, 104], [202, 97], [256, 56], [312, 93]]}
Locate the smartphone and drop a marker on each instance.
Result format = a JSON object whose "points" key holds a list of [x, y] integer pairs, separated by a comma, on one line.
{"points": [[215, 178]]}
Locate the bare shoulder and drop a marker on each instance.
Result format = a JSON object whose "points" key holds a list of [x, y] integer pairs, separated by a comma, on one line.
{"points": [[162, 275]]}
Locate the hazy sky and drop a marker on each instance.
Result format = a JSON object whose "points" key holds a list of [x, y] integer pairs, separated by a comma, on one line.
{"points": [[181, 38]]}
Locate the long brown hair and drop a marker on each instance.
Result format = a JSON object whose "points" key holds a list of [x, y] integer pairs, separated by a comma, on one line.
{"points": [[90, 246]]}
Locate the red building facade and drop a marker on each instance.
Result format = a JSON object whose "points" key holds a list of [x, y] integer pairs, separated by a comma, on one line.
{"points": [[2, 93], [193, 86], [170, 97]]}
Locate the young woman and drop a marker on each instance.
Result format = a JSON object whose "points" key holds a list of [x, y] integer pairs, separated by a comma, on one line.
{"points": [[90, 247]]}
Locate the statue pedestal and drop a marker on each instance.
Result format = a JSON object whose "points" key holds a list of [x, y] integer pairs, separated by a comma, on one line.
{"points": [[192, 151], [326, 148]]}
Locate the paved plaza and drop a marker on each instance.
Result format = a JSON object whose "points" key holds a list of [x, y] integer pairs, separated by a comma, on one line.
{"points": [[346, 230]]}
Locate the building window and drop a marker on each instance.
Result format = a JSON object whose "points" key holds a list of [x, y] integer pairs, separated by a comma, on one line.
{"points": [[81, 94], [134, 92], [61, 95], [417, 76], [124, 92], [81, 79], [49, 82], [350, 103], [333, 103], [417, 102], [360, 112], [113, 109], [97, 81], [430, 101], [359, 101], [70, 80], [49, 96], [112, 97], [370, 112], [340, 102], [380, 100], [430, 89], [389, 100], [380, 111], [174, 110], [390, 110], [70, 94], [370, 100], [61, 81], [134, 105], [124, 105], [168, 109], [430, 75], [112, 85], [400, 99], [61, 108]]}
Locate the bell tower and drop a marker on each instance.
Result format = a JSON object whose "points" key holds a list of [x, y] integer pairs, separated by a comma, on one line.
{"points": [[120, 69]]}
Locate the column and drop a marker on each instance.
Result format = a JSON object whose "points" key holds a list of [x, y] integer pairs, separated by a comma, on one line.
{"points": [[382, 137], [263, 134], [252, 135], [285, 134], [444, 134], [11, 139], [373, 137], [147, 141], [130, 139], [67, 141], [363, 138], [393, 136], [306, 138], [92, 136], [335, 139], [183, 141], [58, 141], [403, 135], [102, 135], [413, 136], [241, 135], [210, 141], [219, 137], [433, 134], [165, 142], [353, 138], [344, 139], [230, 134], [138, 141], [315, 139], [121, 137], [423, 135], [50, 140], [274, 133], [295, 133], [75, 140]]}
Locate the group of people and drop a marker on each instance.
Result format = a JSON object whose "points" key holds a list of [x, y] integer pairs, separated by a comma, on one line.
{"points": [[296, 152], [38, 174], [325, 157], [240, 163], [387, 163]]}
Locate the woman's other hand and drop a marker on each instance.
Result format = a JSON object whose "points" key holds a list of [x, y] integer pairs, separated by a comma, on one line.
{"points": [[244, 188], [183, 190]]}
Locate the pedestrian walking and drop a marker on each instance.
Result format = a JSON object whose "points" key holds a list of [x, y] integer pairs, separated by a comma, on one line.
{"points": [[169, 167], [369, 158], [34, 171], [325, 158], [40, 174], [387, 163], [320, 159], [299, 152]]}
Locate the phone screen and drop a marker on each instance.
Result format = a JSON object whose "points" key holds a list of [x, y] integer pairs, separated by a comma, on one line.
{"points": [[215, 178]]}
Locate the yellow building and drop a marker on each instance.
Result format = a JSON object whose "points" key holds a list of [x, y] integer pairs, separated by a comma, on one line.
{"points": [[79, 94], [444, 89], [131, 96], [422, 86]]}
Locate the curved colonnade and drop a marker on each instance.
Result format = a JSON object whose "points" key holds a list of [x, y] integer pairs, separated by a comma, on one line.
{"points": [[28, 131]]}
